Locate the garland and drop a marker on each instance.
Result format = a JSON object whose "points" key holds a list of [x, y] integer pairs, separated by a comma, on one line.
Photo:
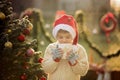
{"points": [[99, 52]]}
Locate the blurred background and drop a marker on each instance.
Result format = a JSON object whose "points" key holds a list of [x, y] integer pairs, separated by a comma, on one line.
{"points": [[24, 39], [50, 7]]}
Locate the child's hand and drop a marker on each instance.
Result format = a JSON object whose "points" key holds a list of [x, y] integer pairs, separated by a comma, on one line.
{"points": [[57, 54], [72, 58]]}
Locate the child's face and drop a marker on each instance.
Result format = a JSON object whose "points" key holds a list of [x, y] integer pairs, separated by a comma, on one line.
{"points": [[64, 37]]}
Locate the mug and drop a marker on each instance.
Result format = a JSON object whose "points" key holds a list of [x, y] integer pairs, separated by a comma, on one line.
{"points": [[66, 48]]}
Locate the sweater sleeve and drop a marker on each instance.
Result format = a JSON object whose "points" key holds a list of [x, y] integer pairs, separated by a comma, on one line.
{"points": [[48, 64], [82, 66]]}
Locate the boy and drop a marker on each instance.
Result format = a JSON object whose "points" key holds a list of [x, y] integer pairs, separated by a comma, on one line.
{"points": [[61, 64]]}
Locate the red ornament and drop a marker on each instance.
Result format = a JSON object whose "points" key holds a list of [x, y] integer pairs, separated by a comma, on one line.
{"points": [[26, 31], [30, 52], [27, 12], [26, 66], [40, 60], [23, 77], [21, 38], [42, 78]]}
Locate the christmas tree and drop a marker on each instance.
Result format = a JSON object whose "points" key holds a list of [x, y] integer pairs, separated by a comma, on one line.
{"points": [[19, 59], [41, 31]]}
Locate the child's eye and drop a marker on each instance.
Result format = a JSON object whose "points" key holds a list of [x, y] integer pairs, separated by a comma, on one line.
{"points": [[68, 37], [60, 37]]}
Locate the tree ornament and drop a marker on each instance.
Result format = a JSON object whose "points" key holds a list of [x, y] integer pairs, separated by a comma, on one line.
{"points": [[43, 78], [23, 77], [21, 38], [2, 16], [8, 44], [27, 12], [26, 65], [26, 31], [9, 31], [40, 60], [30, 52]]}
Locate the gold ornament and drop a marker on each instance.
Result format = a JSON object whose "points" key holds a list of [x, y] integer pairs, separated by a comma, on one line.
{"points": [[8, 44], [2, 15], [9, 31]]}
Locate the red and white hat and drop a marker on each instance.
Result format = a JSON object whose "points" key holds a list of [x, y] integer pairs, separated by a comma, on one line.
{"points": [[68, 23]]}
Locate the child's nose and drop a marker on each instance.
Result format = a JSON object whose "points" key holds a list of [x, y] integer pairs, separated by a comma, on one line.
{"points": [[64, 40]]}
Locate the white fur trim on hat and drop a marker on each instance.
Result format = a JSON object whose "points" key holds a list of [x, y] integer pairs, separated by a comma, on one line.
{"points": [[63, 27]]}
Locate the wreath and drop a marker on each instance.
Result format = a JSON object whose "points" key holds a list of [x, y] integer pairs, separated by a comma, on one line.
{"points": [[108, 22]]}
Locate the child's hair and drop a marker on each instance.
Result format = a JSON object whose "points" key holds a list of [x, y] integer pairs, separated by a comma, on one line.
{"points": [[62, 31]]}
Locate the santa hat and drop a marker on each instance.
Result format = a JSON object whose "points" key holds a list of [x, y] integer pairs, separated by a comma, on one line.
{"points": [[68, 23]]}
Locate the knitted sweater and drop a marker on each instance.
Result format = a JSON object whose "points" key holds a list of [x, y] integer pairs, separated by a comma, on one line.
{"points": [[62, 70]]}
